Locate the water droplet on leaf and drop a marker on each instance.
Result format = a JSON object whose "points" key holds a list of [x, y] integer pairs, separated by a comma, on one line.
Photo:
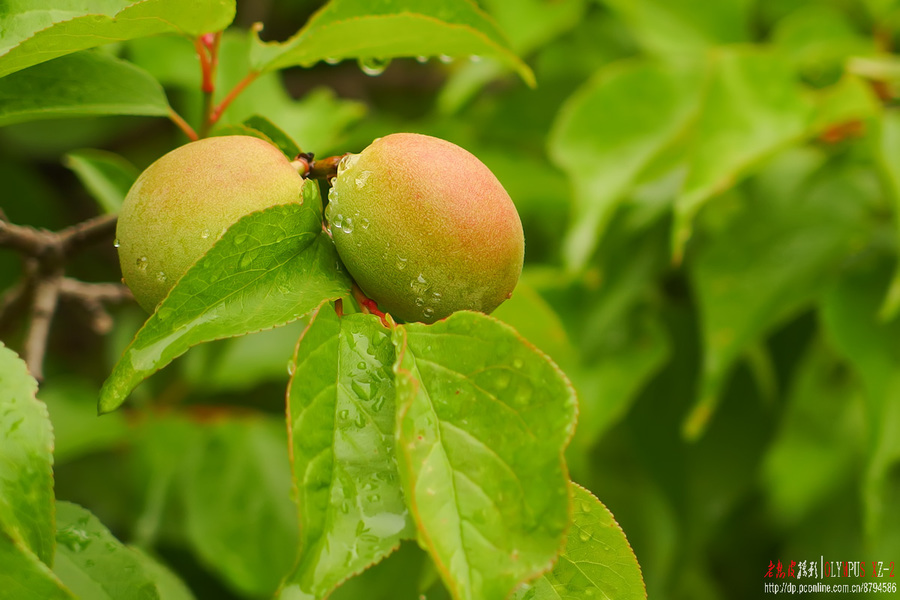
{"points": [[373, 66]]}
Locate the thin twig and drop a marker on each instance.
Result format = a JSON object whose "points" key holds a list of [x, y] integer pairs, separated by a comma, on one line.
{"points": [[325, 168], [183, 125], [46, 296], [25, 240], [91, 296], [77, 237], [234, 93]]}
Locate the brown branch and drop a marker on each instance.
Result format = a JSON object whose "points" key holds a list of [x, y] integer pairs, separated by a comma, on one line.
{"points": [[325, 168], [76, 238], [46, 296], [25, 240], [91, 297]]}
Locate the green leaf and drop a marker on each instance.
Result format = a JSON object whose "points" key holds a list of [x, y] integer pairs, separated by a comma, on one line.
{"points": [[888, 155], [850, 319], [270, 268], [341, 426], [26, 459], [93, 563], [34, 33], [106, 175], [237, 502], [771, 258], [24, 577], [274, 133], [167, 583], [752, 107], [822, 430], [608, 132], [670, 28], [87, 83], [482, 421], [390, 29], [597, 562]]}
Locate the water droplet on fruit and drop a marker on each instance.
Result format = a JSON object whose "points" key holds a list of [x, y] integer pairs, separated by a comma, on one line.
{"points": [[204, 234], [332, 60], [373, 66], [401, 263], [364, 224], [420, 301], [161, 277], [142, 263], [348, 225], [347, 163], [419, 285], [428, 312], [361, 180], [338, 221], [436, 298], [475, 58], [116, 243], [446, 59], [422, 59]]}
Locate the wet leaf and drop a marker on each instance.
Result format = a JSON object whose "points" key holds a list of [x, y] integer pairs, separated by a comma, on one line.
{"points": [[24, 577], [93, 563], [482, 421], [34, 32], [270, 268], [26, 447], [82, 84], [341, 424], [375, 33], [597, 562]]}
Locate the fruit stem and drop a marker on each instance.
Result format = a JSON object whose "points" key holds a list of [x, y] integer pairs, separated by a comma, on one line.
{"points": [[183, 125], [325, 168], [367, 305]]}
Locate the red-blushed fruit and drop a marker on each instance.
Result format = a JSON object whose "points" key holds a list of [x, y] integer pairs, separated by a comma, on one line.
{"points": [[425, 228], [186, 200]]}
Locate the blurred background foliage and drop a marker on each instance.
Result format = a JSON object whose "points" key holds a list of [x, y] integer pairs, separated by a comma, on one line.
{"points": [[710, 193]]}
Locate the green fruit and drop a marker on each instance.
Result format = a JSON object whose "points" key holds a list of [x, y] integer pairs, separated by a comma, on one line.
{"points": [[186, 200], [425, 228]]}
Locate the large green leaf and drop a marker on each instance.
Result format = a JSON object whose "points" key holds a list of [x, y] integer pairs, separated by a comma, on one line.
{"points": [[684, 27], [597, 562], [388, 29], [237, 500], [35, 31], [86, 83], [94, 564], [26, 447], [106, 175], [850, 317], [268, 269], [888, 155], [822, 429], [608, 132], [482, 421], [24, 577], [770, 259], [752, 106], [341, 424]]}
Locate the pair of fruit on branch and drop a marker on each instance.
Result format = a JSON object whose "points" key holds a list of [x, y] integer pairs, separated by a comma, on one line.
{"points": [[423, 227]]}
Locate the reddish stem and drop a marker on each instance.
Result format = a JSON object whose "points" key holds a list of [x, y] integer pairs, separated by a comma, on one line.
{"points": [[183, 125], [368, 306], [234, 93]]}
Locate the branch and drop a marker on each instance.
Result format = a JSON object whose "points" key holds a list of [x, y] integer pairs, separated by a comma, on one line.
{"points": [[183, 125], [234, 93], [91, 297], [77, 237], [320, 169], [46, 296]]}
